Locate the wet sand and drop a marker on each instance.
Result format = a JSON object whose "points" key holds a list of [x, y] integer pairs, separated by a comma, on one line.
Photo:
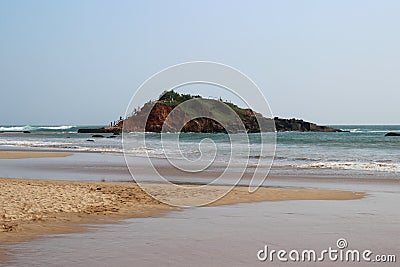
{"points": [[36, 207], [31, 154]]}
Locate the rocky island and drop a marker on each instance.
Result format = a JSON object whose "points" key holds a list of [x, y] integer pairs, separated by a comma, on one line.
{"points": [[152, 116]]}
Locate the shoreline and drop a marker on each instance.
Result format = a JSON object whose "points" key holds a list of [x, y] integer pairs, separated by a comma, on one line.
{"points": [[22, 153], [39, 207], [14, 154]]}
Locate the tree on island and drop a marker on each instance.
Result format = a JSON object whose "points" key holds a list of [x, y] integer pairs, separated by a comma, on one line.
{"points": [[174, 97]]}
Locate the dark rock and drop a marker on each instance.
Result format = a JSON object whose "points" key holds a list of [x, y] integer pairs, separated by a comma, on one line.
{"points": [[98, 136], [113, 129], [112, 136], [100, 130], [90, 140], [392, 134], [26, 132], [286, 125]]}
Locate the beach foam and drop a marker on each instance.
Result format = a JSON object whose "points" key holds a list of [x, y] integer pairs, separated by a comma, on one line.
{"points": [[362, 166]]}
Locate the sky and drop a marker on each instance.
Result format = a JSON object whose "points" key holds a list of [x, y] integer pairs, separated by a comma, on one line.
{"points": [[80, 62]]}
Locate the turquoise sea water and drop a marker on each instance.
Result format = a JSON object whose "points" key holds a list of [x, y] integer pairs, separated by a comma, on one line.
{"points": [[362, 150]]}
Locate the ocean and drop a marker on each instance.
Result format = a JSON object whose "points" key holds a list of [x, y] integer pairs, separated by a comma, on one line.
{"points": [[363, 151]]}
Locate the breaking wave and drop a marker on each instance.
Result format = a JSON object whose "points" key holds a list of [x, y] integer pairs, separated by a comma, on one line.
{"points": [[34, 128]]}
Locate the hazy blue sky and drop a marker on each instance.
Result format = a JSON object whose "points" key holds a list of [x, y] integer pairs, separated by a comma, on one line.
{"points": [[79, 62]]}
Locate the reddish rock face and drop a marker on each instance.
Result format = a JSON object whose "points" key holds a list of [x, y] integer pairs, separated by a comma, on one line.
{"points": [[157, 117], [146, 120], [179, 121]]}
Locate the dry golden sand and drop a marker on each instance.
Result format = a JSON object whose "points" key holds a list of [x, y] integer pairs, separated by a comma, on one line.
{"points": [[29, 154], [33, 207]]}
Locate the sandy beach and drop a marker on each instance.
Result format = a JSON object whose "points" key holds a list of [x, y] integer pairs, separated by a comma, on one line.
{"points": [[199, 133], [78, 201], [31, 154], [36, 206], [33, 207]]}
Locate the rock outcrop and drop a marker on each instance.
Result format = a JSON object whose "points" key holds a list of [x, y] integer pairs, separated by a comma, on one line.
{"points": [[285, 125], [392, 134], [152, 116], [117, 129], [113, 129]]}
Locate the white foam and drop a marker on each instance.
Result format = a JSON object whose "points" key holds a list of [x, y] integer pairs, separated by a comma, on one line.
{"points": [[32, 143], [362, 166], [367, 131], [16, 128], [34, 128], [64, 127]]}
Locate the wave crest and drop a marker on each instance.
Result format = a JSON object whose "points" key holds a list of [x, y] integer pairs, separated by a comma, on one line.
{"points": [[34, 128]]}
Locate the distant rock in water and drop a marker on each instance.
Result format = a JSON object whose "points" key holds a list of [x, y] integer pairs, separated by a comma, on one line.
{"points": [[392, 134], [98, 136], [152, 115], [286, 125], [113, 129]]}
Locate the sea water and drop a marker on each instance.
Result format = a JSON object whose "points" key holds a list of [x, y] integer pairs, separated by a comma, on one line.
{"points": [[363, 150]]}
